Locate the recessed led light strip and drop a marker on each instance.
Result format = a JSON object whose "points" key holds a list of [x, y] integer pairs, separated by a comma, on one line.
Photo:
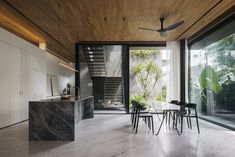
{"points": [[50, 51], [68, 67]]}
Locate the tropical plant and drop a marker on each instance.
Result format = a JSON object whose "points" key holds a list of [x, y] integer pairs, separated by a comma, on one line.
{"points": [[220, 80], [146, 76], [208, 81], [138, 98], [146, 54], [137, 69], [222, 58]]}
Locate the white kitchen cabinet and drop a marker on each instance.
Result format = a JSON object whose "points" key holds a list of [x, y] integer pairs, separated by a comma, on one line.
{"points": [[15, 86], [18, 80], [4, 85], [23, 78]]}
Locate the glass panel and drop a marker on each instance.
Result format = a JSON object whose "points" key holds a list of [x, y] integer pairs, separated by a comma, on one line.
{"points": [[212, 80], [113, 60], [148, 74]]}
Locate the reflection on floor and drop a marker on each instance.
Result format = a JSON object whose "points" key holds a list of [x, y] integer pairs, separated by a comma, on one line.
{"points": [[113, 136], [227, 119]]}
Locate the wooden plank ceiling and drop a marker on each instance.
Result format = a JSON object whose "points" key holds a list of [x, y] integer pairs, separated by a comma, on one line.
{"points": [[104, 20]]}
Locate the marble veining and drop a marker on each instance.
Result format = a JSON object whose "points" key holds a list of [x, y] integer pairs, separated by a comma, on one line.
{"points": [[88, 108], [51, 121], [55, 120]]}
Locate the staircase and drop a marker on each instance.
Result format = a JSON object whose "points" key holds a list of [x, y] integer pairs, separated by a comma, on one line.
{"points": [[113, 86], [95, 59], [113, 89]]}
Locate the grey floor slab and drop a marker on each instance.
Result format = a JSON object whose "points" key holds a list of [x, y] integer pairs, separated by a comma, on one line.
{"points": [[113, 136]]}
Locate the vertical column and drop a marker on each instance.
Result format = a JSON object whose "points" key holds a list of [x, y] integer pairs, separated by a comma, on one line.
{"points": [[77, 67], [125, 70], [182, 70]]}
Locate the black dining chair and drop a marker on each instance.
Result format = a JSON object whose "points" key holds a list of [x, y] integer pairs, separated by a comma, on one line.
{"points": [[177, 119], [188, 110], [133, 112], [139, 112], [176, 102]]}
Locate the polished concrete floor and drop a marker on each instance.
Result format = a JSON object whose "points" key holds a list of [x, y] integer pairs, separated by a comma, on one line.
{"points": [[113, 136]]}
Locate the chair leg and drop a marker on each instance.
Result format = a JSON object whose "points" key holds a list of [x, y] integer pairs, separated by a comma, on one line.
{"points": [[137, 123], [176, 120], [187, 121], [152, 125], [182, 119], [197, 125], [190, 122], [134, 121], [132, 118], [169, 119], [149, 124], [145, 120], [166, 116]]}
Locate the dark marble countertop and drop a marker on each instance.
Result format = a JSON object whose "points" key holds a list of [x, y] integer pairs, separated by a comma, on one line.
{"points": [[71, 99]]}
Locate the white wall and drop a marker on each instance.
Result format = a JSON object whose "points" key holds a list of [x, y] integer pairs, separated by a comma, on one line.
{"points": [[23, 69], [63, 74]]}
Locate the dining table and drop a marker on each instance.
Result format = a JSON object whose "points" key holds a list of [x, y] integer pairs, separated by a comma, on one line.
{"points": [[165, 108]]}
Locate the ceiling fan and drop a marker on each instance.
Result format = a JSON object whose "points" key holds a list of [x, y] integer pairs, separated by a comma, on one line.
{"points": [[163, 30]]}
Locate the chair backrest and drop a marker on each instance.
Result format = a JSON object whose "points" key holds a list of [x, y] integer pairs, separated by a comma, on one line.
{"points": [[174, 102], [182, 105], [137, 105], [191, 105], [134, 104]]}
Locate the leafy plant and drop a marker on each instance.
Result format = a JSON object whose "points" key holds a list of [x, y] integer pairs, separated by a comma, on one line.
{"points": [[144, 53], [209, 79], [220, 80], [137, 98], [135, 70], [146, 76]]}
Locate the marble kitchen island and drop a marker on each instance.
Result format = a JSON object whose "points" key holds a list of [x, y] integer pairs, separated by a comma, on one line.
{"points": [[56, 119]]}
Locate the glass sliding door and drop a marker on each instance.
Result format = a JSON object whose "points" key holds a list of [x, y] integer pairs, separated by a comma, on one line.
{"points": [[148, 73], [212, 75]]}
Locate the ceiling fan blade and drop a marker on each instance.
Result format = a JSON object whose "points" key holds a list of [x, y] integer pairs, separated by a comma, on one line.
{"points": [[174, 26], [147, 29]]}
